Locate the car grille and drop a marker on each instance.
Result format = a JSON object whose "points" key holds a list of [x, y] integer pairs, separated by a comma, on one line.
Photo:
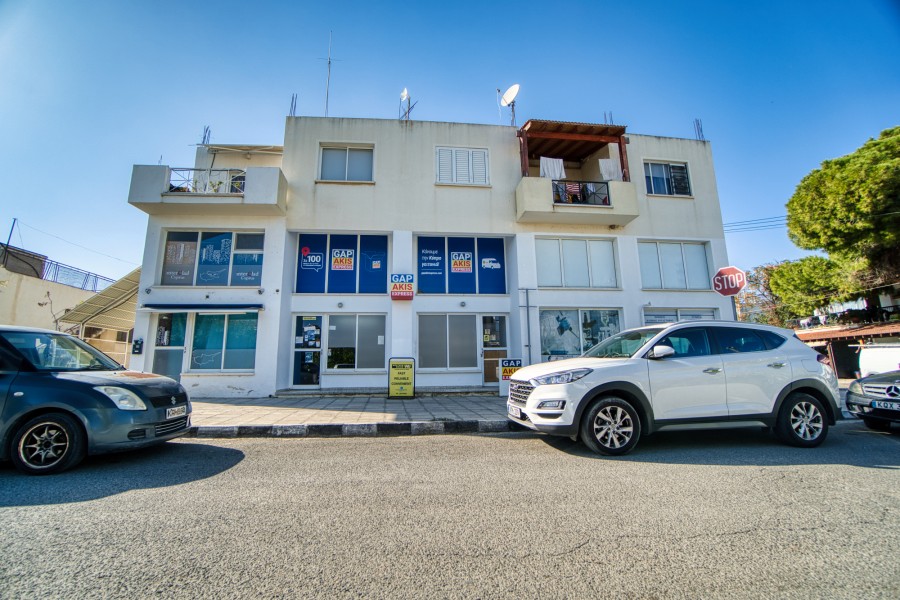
{"points": [[519, 392], [880, 390], [171, 426], [165, 400]]}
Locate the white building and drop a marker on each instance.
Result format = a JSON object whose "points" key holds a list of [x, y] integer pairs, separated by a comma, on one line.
{"points": [[268, 268]]}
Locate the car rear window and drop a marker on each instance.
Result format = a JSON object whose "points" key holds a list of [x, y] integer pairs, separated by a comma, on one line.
{"points": [[772, 340]]}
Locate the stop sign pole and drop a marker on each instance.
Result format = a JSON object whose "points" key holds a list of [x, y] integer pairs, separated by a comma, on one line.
{"points": [[728, 281]]}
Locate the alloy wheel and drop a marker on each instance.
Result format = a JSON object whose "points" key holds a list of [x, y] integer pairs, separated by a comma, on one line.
{"points": [[613, 427], [806, 421], [44, 445]]}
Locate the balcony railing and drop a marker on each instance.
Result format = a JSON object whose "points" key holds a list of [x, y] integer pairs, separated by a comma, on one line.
{"points": [[207, 181], [569, 191], [28, 263]]}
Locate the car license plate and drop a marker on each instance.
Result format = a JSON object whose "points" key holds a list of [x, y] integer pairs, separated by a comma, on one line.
{"points": [[178, 411], [514, 411], [886, 405]]}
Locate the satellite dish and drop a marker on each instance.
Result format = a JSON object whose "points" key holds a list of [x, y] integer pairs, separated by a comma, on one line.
{"points": [[509, 96], [404, 95]]}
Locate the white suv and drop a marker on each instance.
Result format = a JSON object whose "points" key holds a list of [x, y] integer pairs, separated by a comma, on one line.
{"points": [[699, 372]]}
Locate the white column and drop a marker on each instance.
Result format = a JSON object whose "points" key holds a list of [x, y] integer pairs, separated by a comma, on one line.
{"points": [[402, 315]]}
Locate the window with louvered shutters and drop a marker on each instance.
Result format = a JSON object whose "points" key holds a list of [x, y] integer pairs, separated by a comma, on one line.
{"points": [[465, 166]]}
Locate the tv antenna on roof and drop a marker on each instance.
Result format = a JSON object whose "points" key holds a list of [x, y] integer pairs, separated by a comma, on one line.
{"points": [[405, 97], [509, 99]]}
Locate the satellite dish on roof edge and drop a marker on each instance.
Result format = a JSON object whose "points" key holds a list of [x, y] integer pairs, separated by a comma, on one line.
{"points": [[509, 96], [404, 95], [509, 99]]}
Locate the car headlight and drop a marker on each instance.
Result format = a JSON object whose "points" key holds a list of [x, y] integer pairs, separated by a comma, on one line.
{"points": [[855, 388], [122, 398], [561, 377]]}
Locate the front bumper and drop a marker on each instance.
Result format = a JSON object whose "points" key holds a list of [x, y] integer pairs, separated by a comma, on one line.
{"points": [[113, 430], [864, 407], [524, 407]]}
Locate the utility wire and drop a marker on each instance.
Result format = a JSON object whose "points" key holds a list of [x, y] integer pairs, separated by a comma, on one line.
{"points": [[826, 297], [20, 223]]}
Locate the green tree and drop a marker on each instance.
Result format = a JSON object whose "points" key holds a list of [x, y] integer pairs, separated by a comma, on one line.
{"points": [[804, 285], [850, 208], [758, 303]]}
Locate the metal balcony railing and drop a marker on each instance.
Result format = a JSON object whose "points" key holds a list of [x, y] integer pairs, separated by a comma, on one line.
{"points": [[569, 191], [207, 181], [28, 263]]}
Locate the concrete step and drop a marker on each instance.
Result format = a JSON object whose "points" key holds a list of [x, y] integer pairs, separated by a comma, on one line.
{"points": [[420, 392]]}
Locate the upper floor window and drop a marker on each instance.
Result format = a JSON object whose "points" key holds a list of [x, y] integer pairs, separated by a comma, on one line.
{"points": [[673, 266], [655, 316], [464, 166], [215, 258], [342, 264], [575, 263], [458, 265], [346, 163], [668, 179]]}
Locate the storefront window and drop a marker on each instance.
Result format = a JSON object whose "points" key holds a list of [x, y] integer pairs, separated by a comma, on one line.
{"points": [[356, 341], [224, 342], [567, 333]]}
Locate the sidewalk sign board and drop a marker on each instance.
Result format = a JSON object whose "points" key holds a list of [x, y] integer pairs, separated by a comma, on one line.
{"points": [[402, 378]]}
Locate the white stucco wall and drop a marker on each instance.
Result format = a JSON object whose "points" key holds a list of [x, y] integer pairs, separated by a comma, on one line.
{"points": [[32, 302]]}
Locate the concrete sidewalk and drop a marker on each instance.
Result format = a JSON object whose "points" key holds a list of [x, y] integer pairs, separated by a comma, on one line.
{"points": [[318, 416]]}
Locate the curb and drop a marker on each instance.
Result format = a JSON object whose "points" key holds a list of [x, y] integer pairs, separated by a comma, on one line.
{"points": [[331, 430]]}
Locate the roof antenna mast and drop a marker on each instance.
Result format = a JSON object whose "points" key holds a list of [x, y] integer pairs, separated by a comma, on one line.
{"points": [[328, 79]]}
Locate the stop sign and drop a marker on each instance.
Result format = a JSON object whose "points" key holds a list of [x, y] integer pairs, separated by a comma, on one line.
{"points": [[728, 281]]}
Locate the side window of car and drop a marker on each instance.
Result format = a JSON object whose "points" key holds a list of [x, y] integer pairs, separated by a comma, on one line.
{"points": [[772, 340], [735, 340], [8, 360], [688, 342]]}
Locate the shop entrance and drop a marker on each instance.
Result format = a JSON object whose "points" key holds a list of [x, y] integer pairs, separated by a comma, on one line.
{"points": [[307, 350], [493, 346]]}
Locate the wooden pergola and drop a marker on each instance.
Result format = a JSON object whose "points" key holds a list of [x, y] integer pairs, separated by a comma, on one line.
{"points": [[569, 141]]}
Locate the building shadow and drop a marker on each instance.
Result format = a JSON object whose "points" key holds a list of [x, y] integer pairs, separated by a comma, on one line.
{"points": [[110, 474]]}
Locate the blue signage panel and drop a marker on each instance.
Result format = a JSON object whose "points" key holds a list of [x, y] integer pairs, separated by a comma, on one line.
{"points": [[247, 269], [461, 279], [491, 266], [215, 256], [373, 264], [432, 265], [342, 264], [311, 263]]}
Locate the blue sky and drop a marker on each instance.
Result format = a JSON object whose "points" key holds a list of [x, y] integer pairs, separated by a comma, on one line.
{"points": [[88, 88]]}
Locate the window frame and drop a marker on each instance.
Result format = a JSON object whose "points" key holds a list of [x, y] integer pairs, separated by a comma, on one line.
{"points": [[196, 265], [684, 265], [476, 347], [583, 344], [326, 345], [470, 160], [678, 312], [670, 181], [190, 337], [346, 147], [588, 259]]}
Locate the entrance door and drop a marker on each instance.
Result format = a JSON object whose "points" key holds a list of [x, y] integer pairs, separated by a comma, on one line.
{"points": [[307, 349], [168, 355], [493, 345]]}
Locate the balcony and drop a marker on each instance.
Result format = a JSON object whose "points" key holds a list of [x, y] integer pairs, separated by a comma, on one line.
{"points": [[161, 190], [543, 200]]}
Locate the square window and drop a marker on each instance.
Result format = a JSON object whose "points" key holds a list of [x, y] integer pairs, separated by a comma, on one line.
{"points": [[347, 164], [667, 179]]}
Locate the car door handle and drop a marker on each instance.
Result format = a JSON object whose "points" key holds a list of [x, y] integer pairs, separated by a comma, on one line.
{"points": [[712, 371], [776, 365]]}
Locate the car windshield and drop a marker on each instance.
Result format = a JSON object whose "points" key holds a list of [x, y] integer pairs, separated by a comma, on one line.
{"points": [[58, 352], [622, 345]]}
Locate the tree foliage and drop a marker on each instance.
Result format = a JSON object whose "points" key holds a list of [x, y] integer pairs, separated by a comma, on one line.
{"points": [[809, 283], [758, 303], [850, 208]]}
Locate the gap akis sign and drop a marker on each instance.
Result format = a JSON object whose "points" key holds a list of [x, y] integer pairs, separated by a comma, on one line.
{"points": [[401, 286]]}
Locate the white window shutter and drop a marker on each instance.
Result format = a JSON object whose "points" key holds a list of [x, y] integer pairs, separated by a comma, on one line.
{"points": [[461, 164], [444, 165], [479, 167]]}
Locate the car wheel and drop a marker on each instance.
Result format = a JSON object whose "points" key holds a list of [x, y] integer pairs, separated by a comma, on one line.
{"points": [[611, 426], [877, 424], [802, 421], [47, 444]]}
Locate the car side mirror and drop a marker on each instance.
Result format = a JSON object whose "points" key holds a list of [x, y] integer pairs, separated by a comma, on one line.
{"points": [[661, 351]]}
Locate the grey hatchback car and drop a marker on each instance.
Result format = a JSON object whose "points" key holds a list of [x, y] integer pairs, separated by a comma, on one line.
{"points": [[61, 399]]}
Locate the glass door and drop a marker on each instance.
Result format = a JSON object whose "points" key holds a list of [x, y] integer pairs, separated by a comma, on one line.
{"points": [[307, 349], [168, 353], [493, 344]]}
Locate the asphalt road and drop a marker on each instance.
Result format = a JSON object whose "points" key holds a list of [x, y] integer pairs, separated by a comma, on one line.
{"points": [[695, 515]]}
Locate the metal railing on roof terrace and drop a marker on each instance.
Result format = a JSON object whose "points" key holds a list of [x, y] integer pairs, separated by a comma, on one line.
{"points": [[570, 191], [207, 181], [30, 264]]}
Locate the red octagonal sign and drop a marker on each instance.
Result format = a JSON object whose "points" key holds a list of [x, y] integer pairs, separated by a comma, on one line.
{"points": [[728, 281]]}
